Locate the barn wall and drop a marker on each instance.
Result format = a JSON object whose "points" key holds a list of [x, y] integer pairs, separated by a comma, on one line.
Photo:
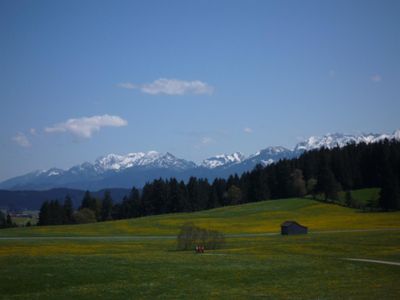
{"points": [[293, 229]]}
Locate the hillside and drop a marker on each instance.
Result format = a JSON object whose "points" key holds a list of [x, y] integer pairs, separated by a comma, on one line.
{"points": [[137, 258], [260, 217]]}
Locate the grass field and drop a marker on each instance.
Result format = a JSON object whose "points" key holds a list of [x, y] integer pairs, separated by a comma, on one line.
{"points": [[113, 266], [361, 197]]}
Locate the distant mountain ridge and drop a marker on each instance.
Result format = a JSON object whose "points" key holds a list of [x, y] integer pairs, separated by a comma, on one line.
{"points": [[32, 200], [135, 169], [340, 140], [223, 160]]}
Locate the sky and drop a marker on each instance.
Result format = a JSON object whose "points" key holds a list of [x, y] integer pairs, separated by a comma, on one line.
{"points": [[81, 79]]}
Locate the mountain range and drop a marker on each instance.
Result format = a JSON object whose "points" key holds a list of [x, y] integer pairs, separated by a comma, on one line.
{"points": [[135, 169], [32, 200]]}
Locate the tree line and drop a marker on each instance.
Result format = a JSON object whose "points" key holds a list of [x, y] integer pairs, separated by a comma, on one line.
{"points": [[91, 210], [323, 172]]}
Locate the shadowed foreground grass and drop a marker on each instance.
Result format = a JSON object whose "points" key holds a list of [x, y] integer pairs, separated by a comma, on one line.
{"points": [[271, 267], [301, 267]]}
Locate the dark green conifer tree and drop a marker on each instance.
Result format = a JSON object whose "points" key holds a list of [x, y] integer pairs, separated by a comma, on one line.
{"points": [[106, 207], [9, 222], [175, 199], [159, 196], [3, 220], [68, 210], [134, 200], [193, 193], [44, 214], [327, 184], [390, 192]]}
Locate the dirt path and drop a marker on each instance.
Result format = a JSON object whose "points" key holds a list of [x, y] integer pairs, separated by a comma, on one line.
{"points": [[99, 238], [356, 230], [374, 261], [238, 235], [159, 237]]}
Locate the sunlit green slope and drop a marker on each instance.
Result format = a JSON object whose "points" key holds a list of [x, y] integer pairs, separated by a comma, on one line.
{"points": [[265, 216]]}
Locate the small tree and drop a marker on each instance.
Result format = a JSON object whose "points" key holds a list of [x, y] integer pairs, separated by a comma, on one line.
{"points": [[234, 195], [349, 199], [311, 184], [191, 235], [85, 215], [328, 184], [298, 184]]}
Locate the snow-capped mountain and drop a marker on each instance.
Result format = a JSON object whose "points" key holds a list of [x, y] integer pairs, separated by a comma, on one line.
{"points": [[222, 160], [151, 159], [270, 155], [340, 140], [135, 169]]}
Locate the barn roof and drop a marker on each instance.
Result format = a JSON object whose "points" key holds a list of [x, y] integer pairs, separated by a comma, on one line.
{"points": [[288, 223]]}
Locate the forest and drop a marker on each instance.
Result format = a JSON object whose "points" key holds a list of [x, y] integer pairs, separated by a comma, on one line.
{"points": [[321, 174]]}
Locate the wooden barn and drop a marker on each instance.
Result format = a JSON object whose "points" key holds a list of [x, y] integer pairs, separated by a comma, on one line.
{"points": [[292, 227]]}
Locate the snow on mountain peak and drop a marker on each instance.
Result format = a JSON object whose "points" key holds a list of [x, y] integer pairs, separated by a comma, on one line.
{"points": [[267, 162], [141, 159], [107, 166], [396, 134], [154, 159], [270, 151], [222, 159], [118, 162], [54, 172], [274, 150], [340, 140]]}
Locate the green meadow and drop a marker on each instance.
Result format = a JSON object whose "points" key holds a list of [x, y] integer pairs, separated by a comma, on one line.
{"points": [[361, 197], [137, 258]]}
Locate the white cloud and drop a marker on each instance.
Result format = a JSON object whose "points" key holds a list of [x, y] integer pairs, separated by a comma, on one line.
{"points": [[206, 140], [376, 78], [84, 127], [248, 130], [32, 131], [171, 87], [21, 140]]}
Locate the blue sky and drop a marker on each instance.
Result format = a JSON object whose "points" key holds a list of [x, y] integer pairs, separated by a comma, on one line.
{"points": [[80, 79]]}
